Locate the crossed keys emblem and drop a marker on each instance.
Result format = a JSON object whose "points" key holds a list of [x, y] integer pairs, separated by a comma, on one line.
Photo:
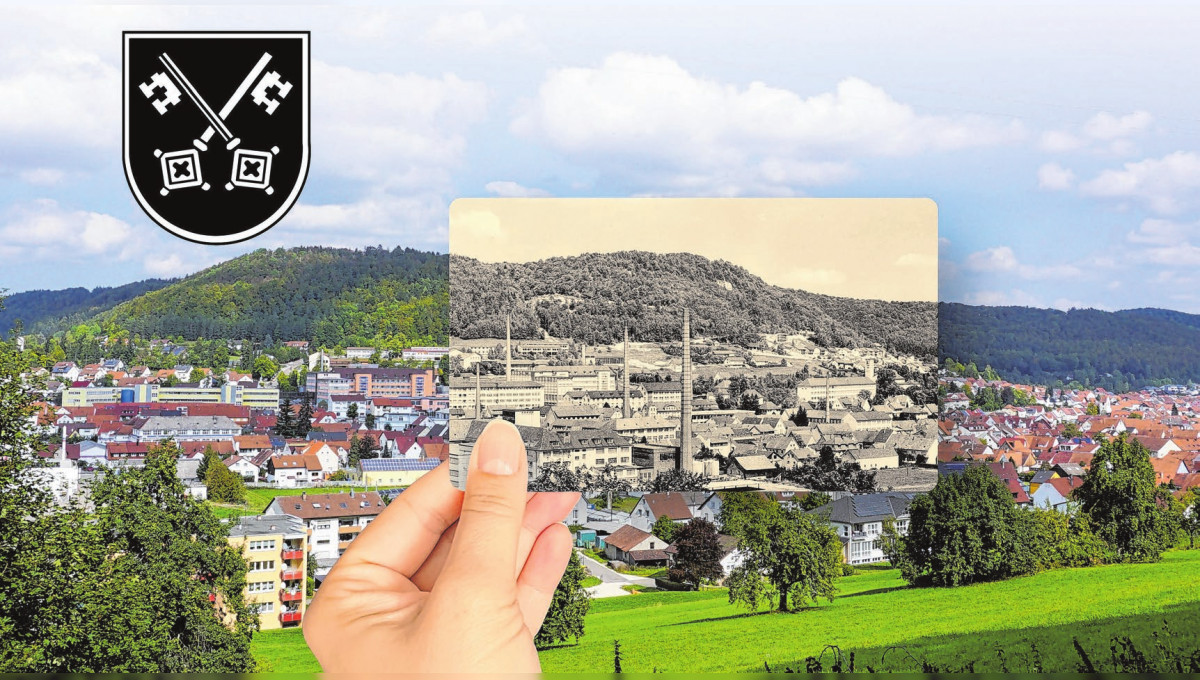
{"points": [[182, 169]]}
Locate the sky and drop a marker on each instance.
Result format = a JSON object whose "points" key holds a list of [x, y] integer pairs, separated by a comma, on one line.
{"points": [[861, 248], [1060, 142]]}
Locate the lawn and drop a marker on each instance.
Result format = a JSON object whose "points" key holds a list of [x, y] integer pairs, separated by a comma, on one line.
{"points": [[625, 504], [873, 611], [258, 499]]}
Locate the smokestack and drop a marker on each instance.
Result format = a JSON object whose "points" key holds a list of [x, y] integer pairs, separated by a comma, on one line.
{"points": [[625, 373], [478, 393], [685, 408], [871, 369], [508, 348], [827, 398]]}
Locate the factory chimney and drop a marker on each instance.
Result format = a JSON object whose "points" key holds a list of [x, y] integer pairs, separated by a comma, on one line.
{"points": [[685, 407], [478, 394], [508, 348], [625, 374]]}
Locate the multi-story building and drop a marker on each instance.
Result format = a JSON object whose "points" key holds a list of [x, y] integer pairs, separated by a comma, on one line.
{"points": [[187, 428], [238, 394], [276, 551], [859, 521], [425, 353], [496, 394], [559, 380], [373, 382], [333, 519]]}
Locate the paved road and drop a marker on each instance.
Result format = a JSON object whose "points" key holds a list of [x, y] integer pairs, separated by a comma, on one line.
{"points": [[611, 581]]}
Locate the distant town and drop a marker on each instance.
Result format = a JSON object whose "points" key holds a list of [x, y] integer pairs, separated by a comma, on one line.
{"points": [[1041, 440], [322, 437]]}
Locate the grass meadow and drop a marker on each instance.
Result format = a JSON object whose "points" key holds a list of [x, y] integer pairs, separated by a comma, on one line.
{"points": [[873, 611]]}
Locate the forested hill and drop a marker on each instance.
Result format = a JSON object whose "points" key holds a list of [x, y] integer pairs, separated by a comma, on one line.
{"points": [[590, 297], [1116, 350], [333, 296], [37, 311]]}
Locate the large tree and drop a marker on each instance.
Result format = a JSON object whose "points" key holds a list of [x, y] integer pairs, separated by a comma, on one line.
{"points": [[790, 557], [699, 553], [665, 528], [557, 476], [570, 605], [1127, 509], [827, 473], [966, 530], [678, 480]]}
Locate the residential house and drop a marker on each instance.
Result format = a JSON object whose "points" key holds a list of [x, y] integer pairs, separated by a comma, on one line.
{"points": [[334, 519], [636, 547], [276, 550]]}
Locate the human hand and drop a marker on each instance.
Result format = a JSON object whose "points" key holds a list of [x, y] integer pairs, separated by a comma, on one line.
{"points": [[444, 581]]}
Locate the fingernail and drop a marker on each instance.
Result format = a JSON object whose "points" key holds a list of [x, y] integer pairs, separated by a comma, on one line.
{"points": [[499, 449]]}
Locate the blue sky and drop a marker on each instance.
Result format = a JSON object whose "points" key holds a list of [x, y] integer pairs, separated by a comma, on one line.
{"points": [[1061, 143]]}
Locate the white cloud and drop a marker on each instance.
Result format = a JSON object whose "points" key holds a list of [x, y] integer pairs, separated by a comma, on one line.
{"points": [[60, 105], [1055, 177], [1166, 185], [1067, 304], [1012, 297], [471, 30], [514, 190], [1003, 259], [417, 220], [997, 259], [397, 130], [1103, 132], [649, 119], [916, 260], [1162, 232], [1105, 126], [165, 267], [41, 228], [42, 176]]}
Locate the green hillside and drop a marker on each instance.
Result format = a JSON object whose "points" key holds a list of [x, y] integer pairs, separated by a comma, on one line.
{"points": [[590, 297], [48, 310], [387, 298], [1117, 350], [697, 632]]}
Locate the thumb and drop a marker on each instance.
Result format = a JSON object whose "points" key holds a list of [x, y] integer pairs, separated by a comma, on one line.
{"points": [[489, 528]]}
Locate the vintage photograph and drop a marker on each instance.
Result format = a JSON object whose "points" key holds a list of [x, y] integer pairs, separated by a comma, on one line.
{"points": [[657, 355]]}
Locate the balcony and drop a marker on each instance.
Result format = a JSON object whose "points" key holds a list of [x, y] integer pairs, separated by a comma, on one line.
{"points": [[343, 545], [354, 529], [292, 575], [290, 617], [291, 595], [289, 554]]}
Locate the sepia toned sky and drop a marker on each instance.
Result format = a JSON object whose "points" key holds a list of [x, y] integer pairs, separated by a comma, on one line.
{"points": [[861, 248]]}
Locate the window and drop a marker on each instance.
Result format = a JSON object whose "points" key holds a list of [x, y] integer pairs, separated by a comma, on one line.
{"points": [[260, 587], [256, 546], [262, 565], [262, 608], [323, 541]]}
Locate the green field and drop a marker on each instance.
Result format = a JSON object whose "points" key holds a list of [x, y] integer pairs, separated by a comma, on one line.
{"points": [[874, 610], [258, 499]]}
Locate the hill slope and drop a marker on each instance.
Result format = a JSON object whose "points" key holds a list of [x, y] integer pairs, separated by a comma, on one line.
{"points": [[40, 311], [591, 296], [329, 295], [1118, 350]]}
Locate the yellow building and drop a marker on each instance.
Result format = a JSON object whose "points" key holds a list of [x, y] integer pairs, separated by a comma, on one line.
{"points": [[276, 551], [229, 393]]}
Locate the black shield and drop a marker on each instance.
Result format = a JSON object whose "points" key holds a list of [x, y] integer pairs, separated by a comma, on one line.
{"points": [[216, 138]]}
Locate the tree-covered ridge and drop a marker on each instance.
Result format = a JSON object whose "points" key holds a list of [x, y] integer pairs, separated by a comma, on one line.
{"points": [[1116, 350], [332, 296], [48, 310], [590, 297]]}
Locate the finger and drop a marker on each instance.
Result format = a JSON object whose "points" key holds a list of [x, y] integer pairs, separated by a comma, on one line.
{"points": [[542, 510], [543, 570], [484, 550], [410, 527]]}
